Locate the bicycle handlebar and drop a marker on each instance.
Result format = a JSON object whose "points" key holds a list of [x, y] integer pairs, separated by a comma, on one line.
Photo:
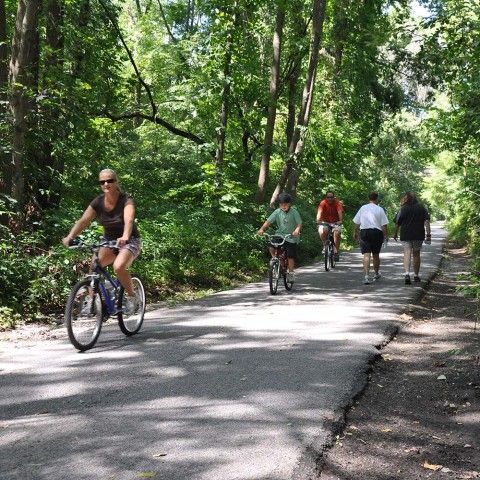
{"points": [[78, 243], [278, 235]]}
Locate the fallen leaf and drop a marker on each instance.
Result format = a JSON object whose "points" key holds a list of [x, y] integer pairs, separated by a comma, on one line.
{"points": [[386, 430], [441, 377], [445, 470], [147, 474], [378, 385], [431, 466], [156, 455], [467, 446]]}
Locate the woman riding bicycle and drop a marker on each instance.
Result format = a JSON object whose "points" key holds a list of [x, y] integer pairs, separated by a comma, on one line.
{"points": [[288, 221], [115, 211]]}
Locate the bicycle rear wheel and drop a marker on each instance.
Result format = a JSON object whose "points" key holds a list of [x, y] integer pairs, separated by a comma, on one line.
{"points": [[273, 276], [130, 324], [83, 316], [328, 249]]}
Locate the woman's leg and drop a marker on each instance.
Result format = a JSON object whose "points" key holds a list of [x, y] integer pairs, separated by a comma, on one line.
{"points": [[407, 255], [416, 262], [120, 267]]}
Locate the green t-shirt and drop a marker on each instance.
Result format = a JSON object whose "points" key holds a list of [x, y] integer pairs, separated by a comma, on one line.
{"points": [[286, 222]]}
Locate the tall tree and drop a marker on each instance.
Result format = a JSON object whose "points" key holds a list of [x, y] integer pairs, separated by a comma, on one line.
{"points": [[295, 148], [49, 166], [272, 107], [225, 103], [23, 79]]}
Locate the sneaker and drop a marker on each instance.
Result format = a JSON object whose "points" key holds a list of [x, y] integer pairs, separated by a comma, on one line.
{"points": [[377, 276], [130, 305], [337, 257], [407, 280], [366, 280], [86, 306], [290, 277], [416, 278]]}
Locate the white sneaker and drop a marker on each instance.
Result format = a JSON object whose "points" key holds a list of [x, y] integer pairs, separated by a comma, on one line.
{"points": [[290, 277], [366, 280], [86, 306], [130, 305], [377, 276]]}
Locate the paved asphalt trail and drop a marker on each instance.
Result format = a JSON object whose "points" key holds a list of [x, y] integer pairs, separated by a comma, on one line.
{"points": [[238, 385]]}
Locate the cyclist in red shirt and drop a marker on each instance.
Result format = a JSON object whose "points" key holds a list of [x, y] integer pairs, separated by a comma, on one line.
{"points": [[330, 210]]}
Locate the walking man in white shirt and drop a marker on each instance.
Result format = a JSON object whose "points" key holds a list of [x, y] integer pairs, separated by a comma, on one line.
{"points": [[371, 230]]}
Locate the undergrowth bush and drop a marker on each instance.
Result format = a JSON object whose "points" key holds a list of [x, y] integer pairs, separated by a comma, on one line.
{"points": [[183, 249]]}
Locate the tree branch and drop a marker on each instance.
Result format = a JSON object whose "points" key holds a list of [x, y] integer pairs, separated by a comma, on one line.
{"points": [[130, 56], [159, 121]]}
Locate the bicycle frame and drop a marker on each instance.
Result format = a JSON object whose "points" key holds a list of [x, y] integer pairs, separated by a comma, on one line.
{"points": [[329, 246], [100, 276]]}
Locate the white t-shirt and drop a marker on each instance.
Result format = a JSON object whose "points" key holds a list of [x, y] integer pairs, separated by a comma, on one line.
{"points": [[370, 216]]}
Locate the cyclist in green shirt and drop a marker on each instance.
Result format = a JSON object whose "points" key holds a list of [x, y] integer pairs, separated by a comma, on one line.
{"points": [[288, 221]]}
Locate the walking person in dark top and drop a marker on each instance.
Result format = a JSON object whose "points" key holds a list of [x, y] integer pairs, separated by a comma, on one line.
{"points": [[115, 211], [413, 220]]}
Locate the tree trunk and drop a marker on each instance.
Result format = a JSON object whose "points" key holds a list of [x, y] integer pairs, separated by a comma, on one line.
{"points": [[292, 102], [3, 47], [272, 108], [6, 172], [339, 33], [293, 75], [296, 145], [47, 184], [78, 53], [23, 79], [224, 109]]}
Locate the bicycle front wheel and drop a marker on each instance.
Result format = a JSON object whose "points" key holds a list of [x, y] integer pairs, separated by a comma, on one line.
{"points": [[130, 322], [83, 316], [273, 276], [332, 257], [328, 250]]}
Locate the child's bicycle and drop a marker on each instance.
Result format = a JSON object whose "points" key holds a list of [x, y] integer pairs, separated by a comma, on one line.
{"points": [[329, 253], [97, 297], [278, 266]]}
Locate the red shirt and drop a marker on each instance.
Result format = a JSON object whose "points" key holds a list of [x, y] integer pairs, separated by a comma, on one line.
{"points": [[330, 210]]}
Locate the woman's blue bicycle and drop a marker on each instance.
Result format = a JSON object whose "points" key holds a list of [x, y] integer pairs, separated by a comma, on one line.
{"points": [[96, 298]]}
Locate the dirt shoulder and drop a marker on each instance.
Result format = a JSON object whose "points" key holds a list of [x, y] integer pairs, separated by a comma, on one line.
{"points": [[419, 416]]}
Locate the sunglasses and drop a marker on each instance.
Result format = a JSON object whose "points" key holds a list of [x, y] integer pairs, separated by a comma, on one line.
{"points": [[108, 180]]}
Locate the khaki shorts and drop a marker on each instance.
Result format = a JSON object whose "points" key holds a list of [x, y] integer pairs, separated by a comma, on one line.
{"points": [[324, 228], [415, 245]]}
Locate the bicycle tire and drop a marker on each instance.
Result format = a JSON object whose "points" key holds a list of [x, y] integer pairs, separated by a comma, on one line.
{"points": [[83, 323], [328, 248], [273, 275], [131, 324], [332, 256]]}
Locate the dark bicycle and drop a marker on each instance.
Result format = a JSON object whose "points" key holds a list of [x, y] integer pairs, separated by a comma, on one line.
{"points": [[329, 254], [278, 266], [96, 298]]}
